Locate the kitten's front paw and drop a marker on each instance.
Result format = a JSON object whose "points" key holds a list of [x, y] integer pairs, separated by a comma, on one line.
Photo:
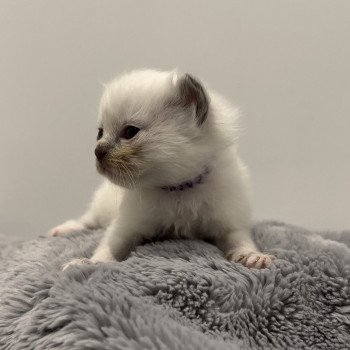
{"points": [[76, 262], [252, 259], [66, 228]]}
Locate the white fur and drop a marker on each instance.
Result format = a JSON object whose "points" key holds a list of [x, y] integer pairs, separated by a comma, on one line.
{"points": [[174, 148]]}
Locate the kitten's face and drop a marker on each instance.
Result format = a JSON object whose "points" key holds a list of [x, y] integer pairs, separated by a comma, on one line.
{"points": [[152, 129]]}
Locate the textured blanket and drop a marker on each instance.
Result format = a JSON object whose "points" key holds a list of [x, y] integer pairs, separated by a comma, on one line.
{"points": [[178, 295]]}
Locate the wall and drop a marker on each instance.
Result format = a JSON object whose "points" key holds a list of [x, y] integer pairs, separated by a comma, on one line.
{"points": [[286, 63]]}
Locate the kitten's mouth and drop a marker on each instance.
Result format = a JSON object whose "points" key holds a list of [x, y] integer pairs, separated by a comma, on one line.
{"points": [[101, 168], [120, 165], [104, 169], [122, 175]]}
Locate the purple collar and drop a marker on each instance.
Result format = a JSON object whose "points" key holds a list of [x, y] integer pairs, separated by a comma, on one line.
{"points": [[187, 184]]}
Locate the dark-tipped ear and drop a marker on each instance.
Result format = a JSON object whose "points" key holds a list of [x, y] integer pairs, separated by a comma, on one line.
{"points": [[190, 91]]}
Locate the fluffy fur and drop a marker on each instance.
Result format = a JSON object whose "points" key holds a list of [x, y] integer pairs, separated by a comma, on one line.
{"points": [[178, 295], [183, 128]]}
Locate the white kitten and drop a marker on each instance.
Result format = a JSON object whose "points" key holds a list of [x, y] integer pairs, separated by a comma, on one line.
{"points": [[167, 147]]}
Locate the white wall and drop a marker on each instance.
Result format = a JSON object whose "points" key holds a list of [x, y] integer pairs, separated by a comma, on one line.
{"points": [[286, 63]]}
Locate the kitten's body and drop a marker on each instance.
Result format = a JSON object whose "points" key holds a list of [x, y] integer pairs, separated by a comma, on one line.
{"points": [[179, 175]]}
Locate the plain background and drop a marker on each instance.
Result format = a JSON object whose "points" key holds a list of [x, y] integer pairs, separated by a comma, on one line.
{"points": [[285, 63]]}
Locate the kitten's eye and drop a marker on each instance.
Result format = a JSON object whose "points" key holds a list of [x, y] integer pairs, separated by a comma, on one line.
{"points": [[99, 134], [129, 132]]}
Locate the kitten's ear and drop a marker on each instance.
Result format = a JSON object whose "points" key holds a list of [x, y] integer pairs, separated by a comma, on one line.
{"points": [[191, 92]]}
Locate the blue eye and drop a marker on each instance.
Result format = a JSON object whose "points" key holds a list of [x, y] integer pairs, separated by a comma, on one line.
{"points": [[99, 134], [129, 132]]}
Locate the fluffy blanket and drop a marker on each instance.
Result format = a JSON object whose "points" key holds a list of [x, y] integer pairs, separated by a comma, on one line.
{"points": [[179, 295]]}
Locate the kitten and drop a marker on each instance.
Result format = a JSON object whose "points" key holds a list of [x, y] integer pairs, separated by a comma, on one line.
{"points": [[168, 150]]}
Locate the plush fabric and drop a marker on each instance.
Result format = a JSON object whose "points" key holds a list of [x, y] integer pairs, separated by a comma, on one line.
{"points": [[178, 295]]}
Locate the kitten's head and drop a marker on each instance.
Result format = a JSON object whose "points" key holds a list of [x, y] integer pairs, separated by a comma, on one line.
{"points": [[158, 128]]}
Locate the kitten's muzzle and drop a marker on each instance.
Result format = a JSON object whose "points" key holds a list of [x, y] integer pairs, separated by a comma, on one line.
{"points": [[101, 151]]}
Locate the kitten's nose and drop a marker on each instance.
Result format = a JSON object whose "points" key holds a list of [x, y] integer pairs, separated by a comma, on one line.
{"points": [[101, 151]]}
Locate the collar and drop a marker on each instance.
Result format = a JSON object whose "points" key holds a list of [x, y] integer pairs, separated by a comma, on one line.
{"points": [[187, 184]]}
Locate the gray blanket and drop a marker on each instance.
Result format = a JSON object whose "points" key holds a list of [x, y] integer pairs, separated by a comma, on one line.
{"points": [[179, 295]]}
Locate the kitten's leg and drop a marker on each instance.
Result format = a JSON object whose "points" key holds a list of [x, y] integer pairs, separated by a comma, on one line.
{"points": [[99, 215], [116, 244], [67, 227], [238, 246]]}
